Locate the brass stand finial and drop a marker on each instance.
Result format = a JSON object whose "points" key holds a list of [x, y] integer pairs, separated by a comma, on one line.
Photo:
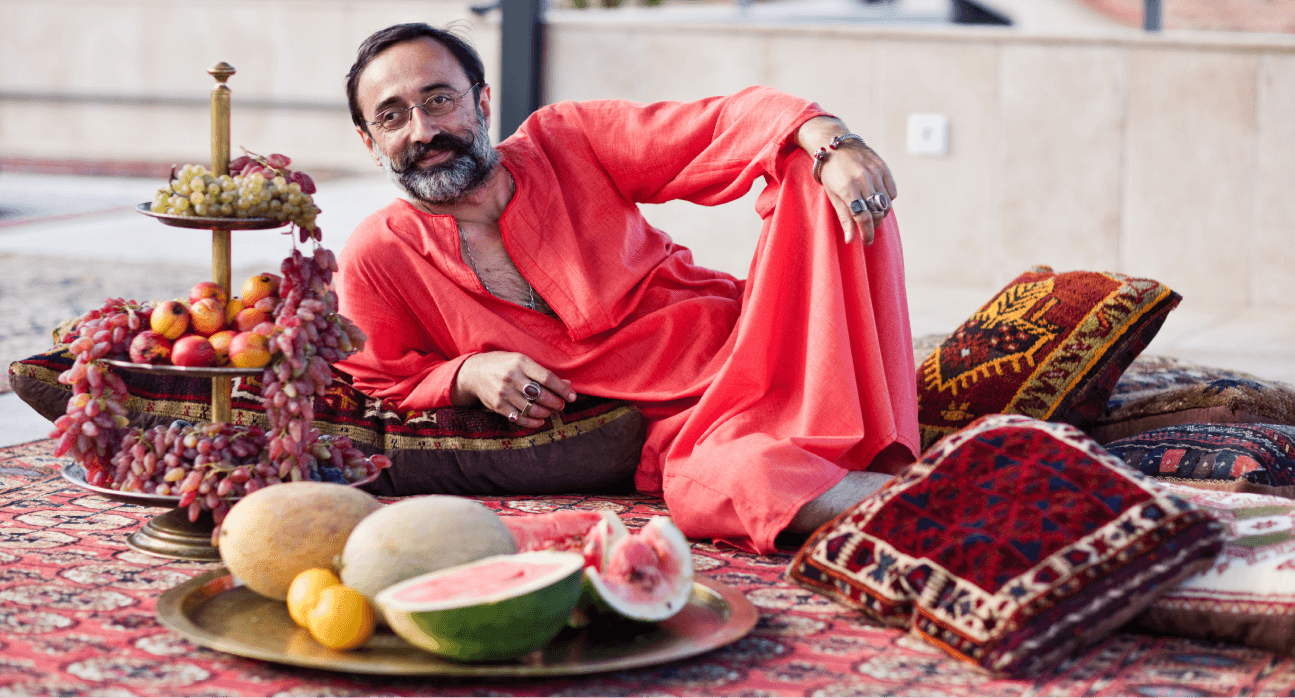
{"points": [[222, 71]]}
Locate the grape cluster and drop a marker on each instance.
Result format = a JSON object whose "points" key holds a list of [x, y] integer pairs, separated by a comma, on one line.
{"points": [[255, 187], [309, 335], [91, 427]]}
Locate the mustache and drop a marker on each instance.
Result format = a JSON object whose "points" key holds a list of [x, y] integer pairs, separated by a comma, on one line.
{"points": [[441, 142]]}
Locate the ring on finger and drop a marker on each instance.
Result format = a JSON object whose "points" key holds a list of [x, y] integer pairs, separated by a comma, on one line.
{"points": [[532, 390], [878, 202], [526, 411], [512, 416]]}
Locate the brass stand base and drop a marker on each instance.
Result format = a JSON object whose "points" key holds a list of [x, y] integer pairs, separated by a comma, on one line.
{"points": [[172, 535]]}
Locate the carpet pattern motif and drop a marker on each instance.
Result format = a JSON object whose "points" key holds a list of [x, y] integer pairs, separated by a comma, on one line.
{"points": [[77, 617]]}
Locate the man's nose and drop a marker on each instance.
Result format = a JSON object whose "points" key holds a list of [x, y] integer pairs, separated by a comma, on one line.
{"points": [[422, 126]]}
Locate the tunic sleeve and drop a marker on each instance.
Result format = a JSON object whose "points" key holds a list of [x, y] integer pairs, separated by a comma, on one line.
{"points": [[708, 151]]}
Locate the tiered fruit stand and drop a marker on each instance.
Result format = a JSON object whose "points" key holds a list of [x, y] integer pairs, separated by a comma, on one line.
{"points": [[173, 535]]}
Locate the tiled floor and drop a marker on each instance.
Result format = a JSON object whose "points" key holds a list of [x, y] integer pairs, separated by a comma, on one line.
{"points": [[1257, 341]]}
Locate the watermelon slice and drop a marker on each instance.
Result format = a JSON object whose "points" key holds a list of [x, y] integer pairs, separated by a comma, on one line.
{"points": [[644, 576], [494, 609]]}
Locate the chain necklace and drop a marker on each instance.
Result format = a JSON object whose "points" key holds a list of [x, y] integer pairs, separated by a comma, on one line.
{"points": [[463, 239]]}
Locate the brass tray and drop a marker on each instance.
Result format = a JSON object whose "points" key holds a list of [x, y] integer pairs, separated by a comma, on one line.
{"points": [[214, 611], [207, 223], [191, 371], [75, 474]]}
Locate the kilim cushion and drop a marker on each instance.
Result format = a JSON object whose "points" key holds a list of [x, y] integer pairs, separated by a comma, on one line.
{"points": [[1049, 346], [1248, 594], [595, 443], [1238, 457], [1011, 544], [1165, 392]]}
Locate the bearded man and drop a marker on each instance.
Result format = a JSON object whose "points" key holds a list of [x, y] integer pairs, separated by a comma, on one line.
{"points": [[514, 278]]}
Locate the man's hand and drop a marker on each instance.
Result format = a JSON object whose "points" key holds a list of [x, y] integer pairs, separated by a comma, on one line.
{"points": [[852, 172], [512, 385]]}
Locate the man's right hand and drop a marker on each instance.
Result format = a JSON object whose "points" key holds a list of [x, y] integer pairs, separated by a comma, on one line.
{"points": [[499, 379]]}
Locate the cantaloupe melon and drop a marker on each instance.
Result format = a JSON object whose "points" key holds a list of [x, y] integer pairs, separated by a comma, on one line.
{"points": [[419, 535], [273, 534]]}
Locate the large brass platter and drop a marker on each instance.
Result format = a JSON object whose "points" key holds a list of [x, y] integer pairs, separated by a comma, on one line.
{"points": [[213, 611], [191, 371], [75, 474], [208, 223]]}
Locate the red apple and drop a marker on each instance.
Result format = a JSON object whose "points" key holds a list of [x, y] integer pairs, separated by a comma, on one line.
{"points": [[207, 289], [260, 286], [249, 318], [169, 319], [149, 347], [249, 350], [207, 316], [220, 342], [194, 351]]}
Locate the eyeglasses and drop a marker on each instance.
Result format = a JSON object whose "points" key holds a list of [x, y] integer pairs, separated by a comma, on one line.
{"points": [[438, 104]]}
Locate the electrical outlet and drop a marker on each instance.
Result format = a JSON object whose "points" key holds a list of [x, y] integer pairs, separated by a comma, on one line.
{"points": [[928, 134]]}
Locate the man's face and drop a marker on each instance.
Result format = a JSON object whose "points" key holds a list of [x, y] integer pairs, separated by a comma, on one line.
{"points": [[435, 159]]}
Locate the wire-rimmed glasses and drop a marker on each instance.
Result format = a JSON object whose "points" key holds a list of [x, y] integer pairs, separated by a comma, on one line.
{"points": [[439, 103]]}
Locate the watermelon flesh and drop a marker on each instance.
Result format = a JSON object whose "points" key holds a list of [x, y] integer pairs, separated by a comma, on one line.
{"points": [[586, 532], [643, 568], [487, 579]]}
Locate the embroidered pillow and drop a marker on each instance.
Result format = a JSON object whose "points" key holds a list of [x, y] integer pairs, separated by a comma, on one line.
{"points": [[1237, 457], [595, 443], [1248, 594], [1049, 346], [1011, 544]]}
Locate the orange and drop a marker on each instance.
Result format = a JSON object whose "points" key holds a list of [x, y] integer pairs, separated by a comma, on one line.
{"points": [[305, 589], [342, 619]]}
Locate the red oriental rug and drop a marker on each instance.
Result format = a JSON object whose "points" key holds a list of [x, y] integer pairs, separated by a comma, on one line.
{"points": [[77, 618]]}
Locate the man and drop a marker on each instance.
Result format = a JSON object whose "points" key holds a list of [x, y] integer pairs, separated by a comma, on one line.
{"points": [[514, 278]]}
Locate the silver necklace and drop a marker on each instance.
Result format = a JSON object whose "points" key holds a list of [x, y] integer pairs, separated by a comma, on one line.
{"points": [[463, 238]]}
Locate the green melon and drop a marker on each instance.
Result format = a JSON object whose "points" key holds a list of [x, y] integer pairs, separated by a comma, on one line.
{"points": [[495, 609]]}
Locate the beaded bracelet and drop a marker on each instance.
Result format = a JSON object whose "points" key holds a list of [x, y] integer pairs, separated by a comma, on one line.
{"points": [[821, 156]]}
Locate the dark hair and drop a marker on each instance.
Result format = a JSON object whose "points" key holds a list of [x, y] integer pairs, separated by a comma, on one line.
{"points": [[386, 38]]}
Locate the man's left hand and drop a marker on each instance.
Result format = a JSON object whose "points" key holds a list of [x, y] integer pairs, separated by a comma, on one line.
{"points": [[850, 174]]}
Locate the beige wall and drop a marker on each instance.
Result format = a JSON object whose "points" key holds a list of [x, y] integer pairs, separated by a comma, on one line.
{"points": [[1169, 156], [109, 57]]}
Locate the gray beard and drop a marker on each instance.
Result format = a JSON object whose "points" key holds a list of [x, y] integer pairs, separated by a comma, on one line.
{"points": [[450, 181]]}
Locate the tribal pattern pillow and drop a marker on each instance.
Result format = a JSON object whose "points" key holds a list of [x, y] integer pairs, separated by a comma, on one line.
{"points": [[1011, 544], [1237, 457], [1049, 346]]}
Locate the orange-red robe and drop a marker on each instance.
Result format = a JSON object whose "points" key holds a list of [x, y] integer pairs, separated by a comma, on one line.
{"points": [[759, 394]]}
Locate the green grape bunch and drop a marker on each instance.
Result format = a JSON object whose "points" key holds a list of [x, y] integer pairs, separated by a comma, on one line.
{"points": [[254, 187]]}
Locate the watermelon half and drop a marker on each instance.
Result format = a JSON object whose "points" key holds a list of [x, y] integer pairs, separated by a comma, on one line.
{"points": [[494, 609]]}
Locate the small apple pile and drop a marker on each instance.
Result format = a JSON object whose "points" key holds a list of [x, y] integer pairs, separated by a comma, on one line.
{"points": [[210, 329]]}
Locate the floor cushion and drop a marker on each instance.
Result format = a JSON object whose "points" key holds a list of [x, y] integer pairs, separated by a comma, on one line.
{"points": [[1248, 594], [1235, 457], [593, 445], [1011, 543], [1048, 345], [1158, 392]]}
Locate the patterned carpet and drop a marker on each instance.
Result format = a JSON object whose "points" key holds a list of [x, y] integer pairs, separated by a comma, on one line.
{"points": [[77, 618]]}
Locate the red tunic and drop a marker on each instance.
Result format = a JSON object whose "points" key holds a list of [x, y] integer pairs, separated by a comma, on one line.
{"points": [[759, 394]]}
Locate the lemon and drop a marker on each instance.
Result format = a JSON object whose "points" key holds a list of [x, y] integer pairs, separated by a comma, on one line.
{"points": [[342, 619], [304, 591]]}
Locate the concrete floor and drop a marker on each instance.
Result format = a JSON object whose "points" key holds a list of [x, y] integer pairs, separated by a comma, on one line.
{"points": [[91, 217]]}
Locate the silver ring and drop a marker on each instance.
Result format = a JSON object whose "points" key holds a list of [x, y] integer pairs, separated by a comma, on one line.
{"points": [[857, 206], [878, 203], [512, 416], [532, 390]]}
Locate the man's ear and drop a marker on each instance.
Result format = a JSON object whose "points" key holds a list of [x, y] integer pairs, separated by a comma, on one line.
{"points": [[484, 103], [368, 143]]}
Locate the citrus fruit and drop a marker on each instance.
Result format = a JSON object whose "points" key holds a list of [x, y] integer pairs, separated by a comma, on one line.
{"points": [[305, 589], [342, 618]]}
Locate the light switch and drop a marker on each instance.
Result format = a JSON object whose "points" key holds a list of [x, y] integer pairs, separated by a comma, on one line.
{"points": [[928, 134]]}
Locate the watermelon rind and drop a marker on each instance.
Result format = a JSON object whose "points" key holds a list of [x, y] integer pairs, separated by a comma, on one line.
{"points": [[502, 627], [602, 600]]}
